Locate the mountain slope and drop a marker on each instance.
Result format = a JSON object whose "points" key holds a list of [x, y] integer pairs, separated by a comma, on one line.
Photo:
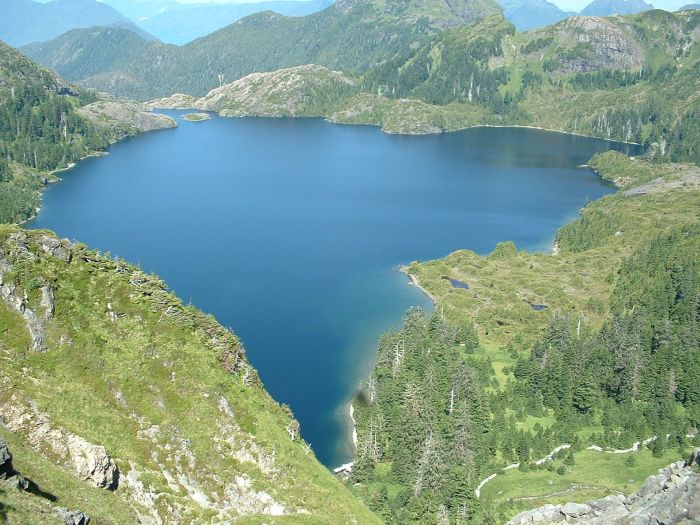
{"points": [[350, 35], [199, 442], [47, 124], [186, 23], [26, 21]]}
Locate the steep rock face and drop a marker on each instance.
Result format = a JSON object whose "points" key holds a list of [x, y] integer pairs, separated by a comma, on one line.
{"points": [[5, 460], [17, 299], [590, 43], [672, 496], [88, 461]]}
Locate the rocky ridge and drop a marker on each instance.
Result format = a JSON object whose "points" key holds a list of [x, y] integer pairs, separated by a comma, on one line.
{"points": [[123, 119], [670, 497], [286, 92]]}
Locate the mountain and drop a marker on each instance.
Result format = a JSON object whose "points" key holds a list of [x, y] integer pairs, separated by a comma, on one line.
{"points": [[690, 7], [532, 14], [186, 23], [615, 7], [351, 35], [26, 21], [627, 78], [138, 9]]}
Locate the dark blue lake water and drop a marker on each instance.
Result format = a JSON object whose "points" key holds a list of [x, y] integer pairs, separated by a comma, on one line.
{"points": [[288, 230]]}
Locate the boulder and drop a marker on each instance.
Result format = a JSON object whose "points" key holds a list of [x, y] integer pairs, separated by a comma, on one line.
{"points": [[55, 247], [575, 510], [670, 497], [695, 457], [5, 461], [92, 463], [72, 517]]}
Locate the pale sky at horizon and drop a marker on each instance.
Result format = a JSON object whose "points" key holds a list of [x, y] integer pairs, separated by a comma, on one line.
{"points": [[566, 5]]}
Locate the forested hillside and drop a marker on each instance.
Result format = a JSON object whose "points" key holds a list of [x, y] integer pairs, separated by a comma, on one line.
{"points": [[350, 35], [40, 131], [610, 356], [631, 78], [44, 126]]}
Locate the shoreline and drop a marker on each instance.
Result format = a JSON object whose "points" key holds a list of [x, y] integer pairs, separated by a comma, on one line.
{"points": [[351, 414], [551, 131], [416, 134], [415, 282], [55, 179]]}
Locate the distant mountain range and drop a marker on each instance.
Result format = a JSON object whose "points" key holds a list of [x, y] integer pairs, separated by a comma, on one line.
{"points": [[351, 35], [615, 7], [178, 23], [24, 21], [532, 14]]}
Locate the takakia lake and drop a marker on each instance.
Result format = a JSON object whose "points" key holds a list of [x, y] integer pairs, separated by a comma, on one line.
{"points": [[289, 231]]}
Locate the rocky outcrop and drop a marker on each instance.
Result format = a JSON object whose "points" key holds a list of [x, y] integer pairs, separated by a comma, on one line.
{"points": [[15, 481], [591, 43], [660, 185], [6, 469], [176, 101], [72, 517], [86, 460], [670, 497], [123, 119], [285, 92], [17, 298]]}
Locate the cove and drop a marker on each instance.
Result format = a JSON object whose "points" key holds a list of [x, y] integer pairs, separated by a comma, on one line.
{"points": [[289, 230]]}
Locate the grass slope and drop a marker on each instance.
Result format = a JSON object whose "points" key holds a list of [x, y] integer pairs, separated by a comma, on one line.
{"points": [[161, 386]]}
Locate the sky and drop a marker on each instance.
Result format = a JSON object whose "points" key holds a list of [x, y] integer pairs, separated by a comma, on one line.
{"points": [[566, 5], [577, 5]]}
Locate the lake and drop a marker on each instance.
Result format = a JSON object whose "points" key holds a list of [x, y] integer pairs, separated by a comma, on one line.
{"points": [[289, 230]]}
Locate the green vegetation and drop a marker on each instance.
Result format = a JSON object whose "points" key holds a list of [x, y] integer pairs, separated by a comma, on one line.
{"points": [[461, 69], [351, 35], [593, 475], [201, 433], [196, 117], [489, 381], [40, 131], [47, 125]]}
